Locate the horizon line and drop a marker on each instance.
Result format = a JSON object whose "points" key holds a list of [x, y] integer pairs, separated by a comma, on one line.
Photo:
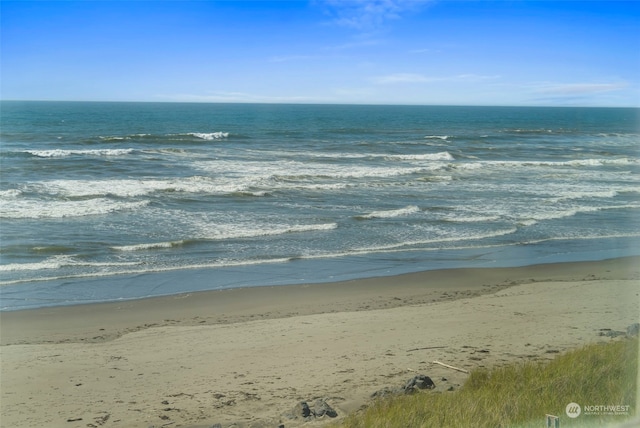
{"points": [[322, 103]]}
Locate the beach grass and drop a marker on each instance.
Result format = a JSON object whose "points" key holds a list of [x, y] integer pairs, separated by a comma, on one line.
{"points": [[521, 394]]}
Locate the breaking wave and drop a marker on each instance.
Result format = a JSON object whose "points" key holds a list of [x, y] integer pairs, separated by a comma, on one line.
{"points": [[33, 209], [150, 246], [209, 135], [61, 153], [390, 213]]}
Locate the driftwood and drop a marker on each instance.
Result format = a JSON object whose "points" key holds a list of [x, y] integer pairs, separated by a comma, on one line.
{"points": [[428, 347], [451, 367]]}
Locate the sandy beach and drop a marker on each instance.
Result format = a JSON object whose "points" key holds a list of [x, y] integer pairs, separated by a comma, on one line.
{"points": [[247, 357]]}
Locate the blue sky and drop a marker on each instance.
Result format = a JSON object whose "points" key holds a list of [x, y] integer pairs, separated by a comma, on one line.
{"points": [[324, 51]]}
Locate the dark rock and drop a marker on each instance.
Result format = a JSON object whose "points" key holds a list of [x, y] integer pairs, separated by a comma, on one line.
{"points": [[386, 392], [418, 382], [633, 330], [302, 410], [216, 426], [321, 408], [611, 333]]}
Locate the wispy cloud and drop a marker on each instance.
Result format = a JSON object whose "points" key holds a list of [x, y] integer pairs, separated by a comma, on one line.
{"points": [[398, 78], [423, 51], [363, 43], [287, 58], [237, 97], [401, 78], [578, 88], [368, 14]]}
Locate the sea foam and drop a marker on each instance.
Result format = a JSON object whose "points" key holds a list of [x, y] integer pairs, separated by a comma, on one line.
{"points": [[209, 135], [391, 213], [29, 208], [149, 246], [60, 153]]}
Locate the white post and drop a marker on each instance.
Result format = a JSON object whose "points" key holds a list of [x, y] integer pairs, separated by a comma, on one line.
{"points": [[553, 421]]}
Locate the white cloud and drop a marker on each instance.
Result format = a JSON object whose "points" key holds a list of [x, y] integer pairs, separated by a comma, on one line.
{"points": [[286, 58], [356, 44], [578, 88], [401, 78], [424, 50], [237, 97], [420, 78], [368, 14], [471, 77]]}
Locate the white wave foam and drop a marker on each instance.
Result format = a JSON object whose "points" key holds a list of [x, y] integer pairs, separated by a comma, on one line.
{"points": [[51, 263], [582, 237], [464, 218], [28, 208], [210, 135], [442, 156], [10, 193], [133, 188], [114, 138], [437, 137], [631, 189], [287, 170], [240, 230], [587, 194], [391, 213], [599, 162], [533, 217], [418, 245], [334, 186], [254, 180], [572, 163], [530, 131], [58, 262], [122, 137], [149, 269], [60, 153], [149, 246]]}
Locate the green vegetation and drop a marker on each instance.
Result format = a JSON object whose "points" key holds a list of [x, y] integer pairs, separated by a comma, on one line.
{"points": [[519, 395]]}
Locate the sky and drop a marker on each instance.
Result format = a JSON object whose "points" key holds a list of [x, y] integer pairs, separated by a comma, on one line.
{"points": [[426, 52]]}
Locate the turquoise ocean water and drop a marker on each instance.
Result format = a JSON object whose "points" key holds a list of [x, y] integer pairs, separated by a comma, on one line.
{"points": [[108, 201]]}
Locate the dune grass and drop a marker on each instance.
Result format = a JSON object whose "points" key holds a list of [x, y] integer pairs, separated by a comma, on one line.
{"points": [[520, 395]]}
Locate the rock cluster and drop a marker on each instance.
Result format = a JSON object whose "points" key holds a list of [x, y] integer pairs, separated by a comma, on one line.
{"points": [[318, 409], [412, 385], [632, 331], [418, 382]]}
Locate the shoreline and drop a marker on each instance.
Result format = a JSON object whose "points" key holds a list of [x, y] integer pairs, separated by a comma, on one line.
{"points": [[249, 355], [70, 291], [87, 322]]}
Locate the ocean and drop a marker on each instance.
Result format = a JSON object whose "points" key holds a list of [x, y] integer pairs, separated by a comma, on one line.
{"points": [[110, 201]]}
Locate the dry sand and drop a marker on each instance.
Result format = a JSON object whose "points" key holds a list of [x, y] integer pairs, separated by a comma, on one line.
{"points": [[248, 356]]}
